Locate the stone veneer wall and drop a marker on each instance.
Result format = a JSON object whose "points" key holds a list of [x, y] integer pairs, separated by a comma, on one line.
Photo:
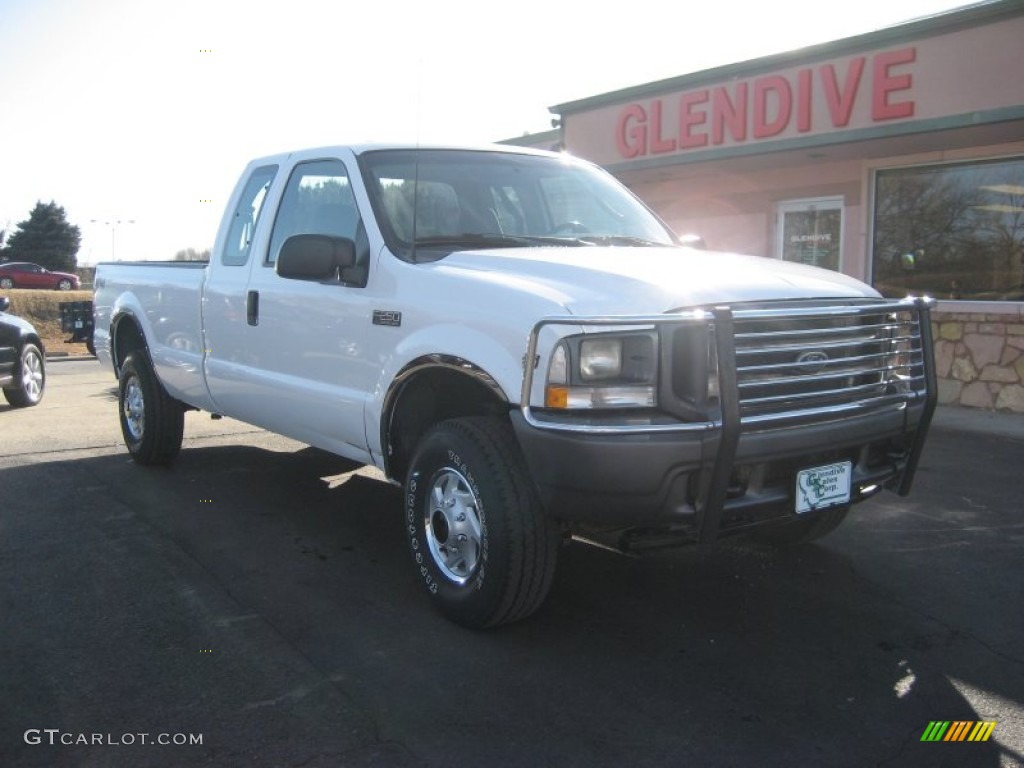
{"points": [[979, 360]]}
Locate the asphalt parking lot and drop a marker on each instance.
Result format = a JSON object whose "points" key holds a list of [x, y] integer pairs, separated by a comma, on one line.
{"points": [[259, 595]]}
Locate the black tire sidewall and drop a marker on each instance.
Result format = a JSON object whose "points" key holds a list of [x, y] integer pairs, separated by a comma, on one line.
{"points": [[472, 603], [159, 423], [17, 396]]}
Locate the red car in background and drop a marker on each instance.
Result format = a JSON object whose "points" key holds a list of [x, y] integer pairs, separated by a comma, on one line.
{"points": [[23, 274]]}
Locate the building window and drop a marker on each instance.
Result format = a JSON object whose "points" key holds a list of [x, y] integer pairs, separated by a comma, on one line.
{"points": [[811, 232], [951, 231]]}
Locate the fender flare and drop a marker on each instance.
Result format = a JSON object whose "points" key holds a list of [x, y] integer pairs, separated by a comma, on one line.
{"points": [[410, 371], [124, 315]]}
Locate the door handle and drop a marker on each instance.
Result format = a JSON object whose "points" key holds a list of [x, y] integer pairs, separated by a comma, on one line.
{"points": [[252, 308]]}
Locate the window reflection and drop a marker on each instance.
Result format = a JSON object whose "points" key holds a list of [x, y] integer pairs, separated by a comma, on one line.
{"points": [[951, 231]]}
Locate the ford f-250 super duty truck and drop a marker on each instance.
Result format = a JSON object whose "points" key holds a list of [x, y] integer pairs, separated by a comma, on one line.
{"points": [[530, 352]]}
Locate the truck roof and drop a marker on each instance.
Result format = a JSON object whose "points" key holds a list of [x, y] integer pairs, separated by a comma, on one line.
{"points": [[359, 149]]}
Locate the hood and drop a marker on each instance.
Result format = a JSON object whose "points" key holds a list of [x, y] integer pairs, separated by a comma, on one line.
{"points": [[22, 326], [615, 281]]}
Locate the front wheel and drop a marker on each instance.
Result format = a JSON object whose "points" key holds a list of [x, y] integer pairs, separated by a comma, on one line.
{"points": [[152, 422], [31, 379], [482, 543], [64, 285]]}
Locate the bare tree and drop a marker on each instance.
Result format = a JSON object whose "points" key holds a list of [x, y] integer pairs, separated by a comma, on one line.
{"points": [[191, 254]]}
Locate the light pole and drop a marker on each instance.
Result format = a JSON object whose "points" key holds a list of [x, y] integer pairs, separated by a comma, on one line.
{"points": [[113, 224]]}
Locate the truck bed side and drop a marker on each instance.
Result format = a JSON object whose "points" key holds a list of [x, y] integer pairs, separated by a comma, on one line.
{"points": [[156, 305]]}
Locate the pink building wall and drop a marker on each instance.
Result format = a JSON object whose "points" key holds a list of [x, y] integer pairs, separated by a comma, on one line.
{"points": [[960, 72], [716, 153]]}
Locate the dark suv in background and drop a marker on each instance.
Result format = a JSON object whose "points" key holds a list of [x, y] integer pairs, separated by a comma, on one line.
{"points": [[22, 364]]}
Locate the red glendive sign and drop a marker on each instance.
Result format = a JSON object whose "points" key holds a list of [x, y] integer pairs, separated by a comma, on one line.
{"points": [[769, 106]]}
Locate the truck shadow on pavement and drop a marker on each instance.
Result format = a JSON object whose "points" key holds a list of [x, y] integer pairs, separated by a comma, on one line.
{"points": [[294, 573]]}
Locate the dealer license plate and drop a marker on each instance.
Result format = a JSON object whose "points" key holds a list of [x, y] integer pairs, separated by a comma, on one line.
{"points": [[823, 487]]}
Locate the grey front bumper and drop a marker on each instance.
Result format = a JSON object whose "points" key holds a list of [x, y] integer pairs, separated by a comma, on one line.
{"points": [[716, 478]]}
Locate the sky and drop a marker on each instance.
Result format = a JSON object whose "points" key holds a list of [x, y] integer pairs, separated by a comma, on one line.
{"points": [[138, 117]]}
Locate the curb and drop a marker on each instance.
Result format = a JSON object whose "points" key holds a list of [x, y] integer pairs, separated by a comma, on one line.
{"points": [[57, 357]]}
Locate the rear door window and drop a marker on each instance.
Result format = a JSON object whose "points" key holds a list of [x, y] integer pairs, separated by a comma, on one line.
{"points": [[246, 216]]}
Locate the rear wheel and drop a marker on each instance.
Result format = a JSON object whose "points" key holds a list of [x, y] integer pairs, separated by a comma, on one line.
{"points": [[152, 422], [483, 544], [6, 283], [804, 530], [31, 379]]}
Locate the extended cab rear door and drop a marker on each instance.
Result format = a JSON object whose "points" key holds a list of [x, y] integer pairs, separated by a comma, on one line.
{"points": [[296, 355], [228, 368]]}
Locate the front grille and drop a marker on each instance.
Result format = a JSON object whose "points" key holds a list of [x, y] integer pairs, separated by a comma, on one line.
{"points": [[796, 359]]}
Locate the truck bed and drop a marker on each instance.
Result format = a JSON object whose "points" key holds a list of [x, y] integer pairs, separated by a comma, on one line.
{"points": [[165, 299]]}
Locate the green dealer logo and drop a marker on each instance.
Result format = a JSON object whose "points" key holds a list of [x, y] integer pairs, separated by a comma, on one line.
{"points": [[958, 730]]}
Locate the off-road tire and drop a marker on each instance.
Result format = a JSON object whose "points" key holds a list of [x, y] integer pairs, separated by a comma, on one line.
{"points": [[152, 422], [482, 543]]}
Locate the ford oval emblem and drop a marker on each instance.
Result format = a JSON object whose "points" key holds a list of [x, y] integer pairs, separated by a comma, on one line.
{"points": [[811, 362]]}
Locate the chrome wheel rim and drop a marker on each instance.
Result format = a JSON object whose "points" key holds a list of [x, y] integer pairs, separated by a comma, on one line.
{"points": [[32, 377], [134, 408], [452, 522]]}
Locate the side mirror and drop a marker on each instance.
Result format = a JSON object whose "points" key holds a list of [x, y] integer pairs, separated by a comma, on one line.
{"points": [[315, 257], [693, 241], [4, 303]]}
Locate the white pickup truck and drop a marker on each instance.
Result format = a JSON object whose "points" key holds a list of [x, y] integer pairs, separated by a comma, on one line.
{"points": [[531, 353]]}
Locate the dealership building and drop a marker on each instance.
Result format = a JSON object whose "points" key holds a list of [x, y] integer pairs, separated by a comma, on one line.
{"points": [[896, 157]]}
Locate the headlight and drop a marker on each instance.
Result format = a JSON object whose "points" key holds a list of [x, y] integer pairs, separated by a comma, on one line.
{"points": [[604, 371], [600, 359]]}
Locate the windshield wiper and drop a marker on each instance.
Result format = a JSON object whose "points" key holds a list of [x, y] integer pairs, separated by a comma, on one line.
{"points": [[493, 240], [500, 240], [623, 240]]}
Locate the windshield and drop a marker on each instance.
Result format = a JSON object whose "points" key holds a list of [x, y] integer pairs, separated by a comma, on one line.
{"points": [[431, 202]]}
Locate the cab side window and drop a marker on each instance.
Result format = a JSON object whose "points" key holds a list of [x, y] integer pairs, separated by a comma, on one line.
{"points": [[319, 201], [247, 214]]}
